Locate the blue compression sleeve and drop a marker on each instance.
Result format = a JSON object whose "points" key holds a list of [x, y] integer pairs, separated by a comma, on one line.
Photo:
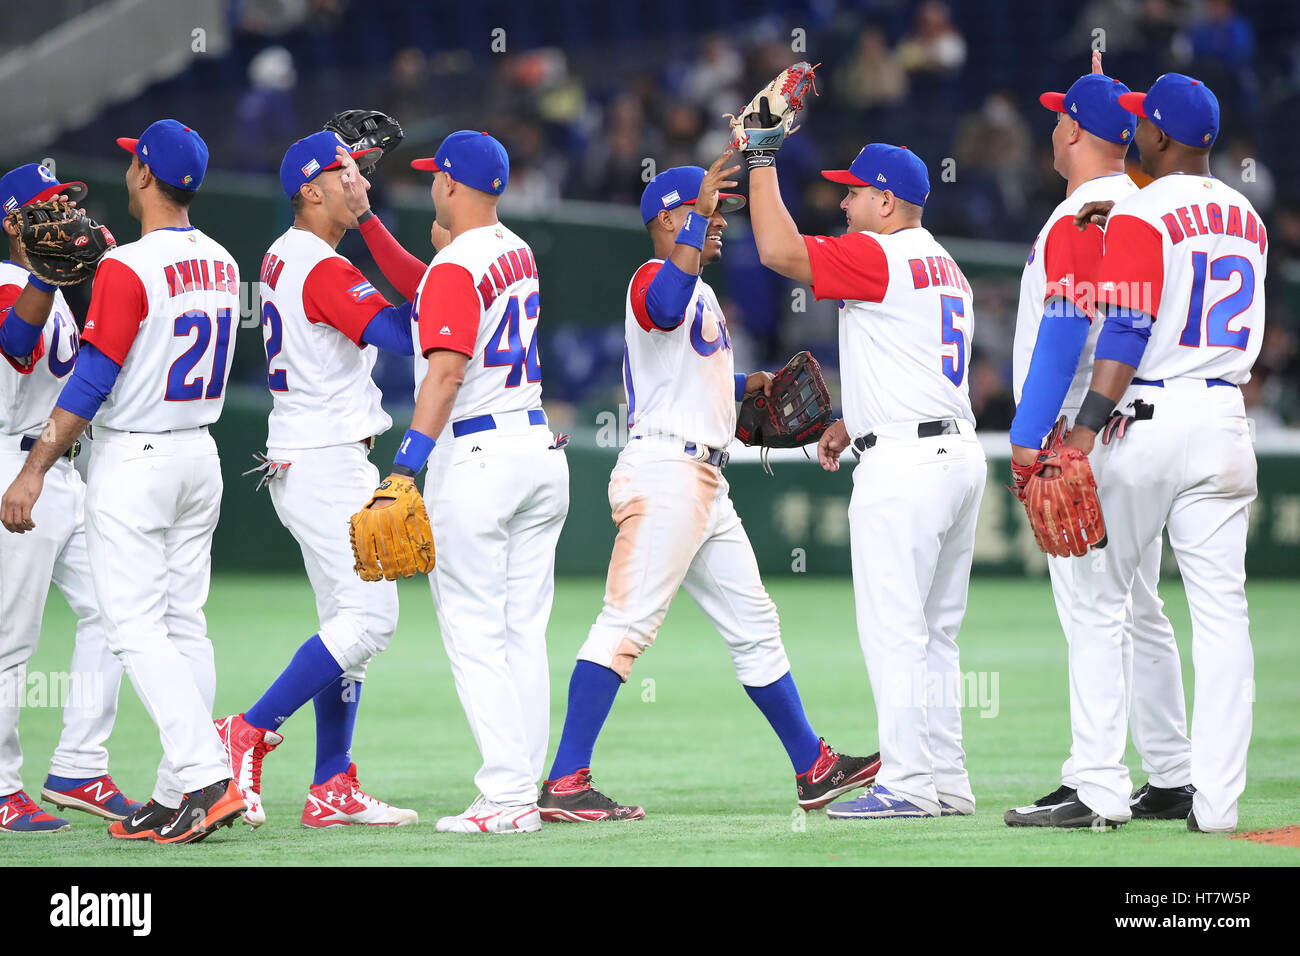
{"points": [[17, 338], [92, 379], [668, 296], [390, 330], [1124, 336], [1061, 337], [741, 377]]}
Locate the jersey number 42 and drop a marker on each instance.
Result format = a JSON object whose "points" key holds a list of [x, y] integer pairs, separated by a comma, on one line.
{"points": [[506, 349]]}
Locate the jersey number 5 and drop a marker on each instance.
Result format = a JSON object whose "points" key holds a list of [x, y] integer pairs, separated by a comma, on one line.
{"points": [[954, 369], [179, 389], [515, 355]]}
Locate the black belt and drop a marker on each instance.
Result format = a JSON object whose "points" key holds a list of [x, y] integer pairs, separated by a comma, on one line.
{"points": [[944, 426], [28, 443]]}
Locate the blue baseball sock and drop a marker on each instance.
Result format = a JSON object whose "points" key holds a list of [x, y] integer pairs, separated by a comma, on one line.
{"points": [[592, 690], [312, 668], [780, 704], [336, 717]]}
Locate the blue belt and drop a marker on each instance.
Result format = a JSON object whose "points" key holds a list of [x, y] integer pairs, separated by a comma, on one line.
{"points": [[29, 442], [485, 423], [1160, 382]]}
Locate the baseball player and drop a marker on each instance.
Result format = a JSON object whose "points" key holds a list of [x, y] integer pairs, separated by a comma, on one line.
{"points": [[1055, 338], [39, 339], [320, 319], [676, 524], [152, 372], [1182, 288], [498, 485], [905, 337]]}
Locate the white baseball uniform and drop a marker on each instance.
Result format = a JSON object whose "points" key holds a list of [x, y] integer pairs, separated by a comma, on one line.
{"points": [[1064, 260], [905, 335], [498, 494], [1190, 251], [326, 410], [677, 526], [165, 308], [54, 551]]}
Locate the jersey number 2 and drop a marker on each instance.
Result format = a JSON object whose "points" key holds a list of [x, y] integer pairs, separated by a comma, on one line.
{"points": [[1222, 313], [178, 388], [954, 369], [515, 355]]}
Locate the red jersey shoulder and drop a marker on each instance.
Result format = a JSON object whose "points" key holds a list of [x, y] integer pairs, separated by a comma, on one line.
{"points": [[118, 304], [335, 293], [1072, 262], [852, 266], [448, 310]]}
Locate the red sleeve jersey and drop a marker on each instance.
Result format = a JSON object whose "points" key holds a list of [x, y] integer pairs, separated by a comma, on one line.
{"points": [[118, 304], [448, 308], [336, 294], [1132, 273], [1072, 261], [852, 266]]}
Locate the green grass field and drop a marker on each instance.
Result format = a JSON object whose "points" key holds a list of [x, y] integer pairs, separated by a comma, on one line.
{"points": [[683, 740]]}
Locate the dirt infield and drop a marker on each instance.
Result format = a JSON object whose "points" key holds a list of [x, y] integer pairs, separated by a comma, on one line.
{"points": [[1279, 836]]}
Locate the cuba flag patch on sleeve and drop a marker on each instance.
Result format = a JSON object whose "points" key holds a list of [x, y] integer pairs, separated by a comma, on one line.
{"points": [[362, 290]]}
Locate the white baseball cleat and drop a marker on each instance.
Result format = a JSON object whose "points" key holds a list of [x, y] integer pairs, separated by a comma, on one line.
{"points": [[340, 802], [484, 816], [246, 745]]}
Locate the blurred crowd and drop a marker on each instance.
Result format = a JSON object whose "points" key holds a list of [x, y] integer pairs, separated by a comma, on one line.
{"points": [[584, 94]]}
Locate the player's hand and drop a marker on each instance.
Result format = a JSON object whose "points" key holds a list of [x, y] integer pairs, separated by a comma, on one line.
{"points": [[16, 507], [1093, 213], [833, 442], [1096, 61], [439, 237], [354, 185], [758, 381], [715, 180]]}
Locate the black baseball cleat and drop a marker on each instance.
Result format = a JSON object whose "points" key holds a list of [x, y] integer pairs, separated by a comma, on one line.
{"points": [[1039, 813], [141, 824], [834, 774], [573, 799], [1161, 803], [202, 812]]}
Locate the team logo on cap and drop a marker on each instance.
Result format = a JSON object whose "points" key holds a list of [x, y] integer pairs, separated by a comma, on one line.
{"points": [[11, 204], [496, 183], [311, 169], [672, 197]]}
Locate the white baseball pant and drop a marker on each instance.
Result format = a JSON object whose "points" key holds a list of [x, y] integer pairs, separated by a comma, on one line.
{"points": [[54, 551], [677, 527], [912, 536], [315, 498], [152, 501], [1191, 469], [497, 502]]}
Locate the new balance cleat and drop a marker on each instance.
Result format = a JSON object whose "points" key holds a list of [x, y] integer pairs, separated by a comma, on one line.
{"points": [[573, 799], [1162, 803], [202, 812], [484, 816], [1038, 813], [20, 814], [878, 803], [97, 795], [246, 745], [832, 775], [340, 802], [142, 822]]}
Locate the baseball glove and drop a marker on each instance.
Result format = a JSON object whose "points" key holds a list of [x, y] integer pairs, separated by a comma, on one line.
{"points": [[366, 129], [769, 117], [394, 541], [62, 244], [1020, 474], [1064, 512], [796, 413]]}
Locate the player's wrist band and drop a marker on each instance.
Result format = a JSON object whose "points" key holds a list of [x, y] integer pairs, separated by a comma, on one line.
{"points": [[759, 158], [1094, 412], [39, 284], [365, 217], [693, 231], [413, 452]]}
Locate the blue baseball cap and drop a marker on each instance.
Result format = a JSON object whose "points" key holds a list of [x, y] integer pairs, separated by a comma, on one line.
{"points": [[34, 183], [1180, 107], [680, 186], [473, 159], [175, 153], [1093, 102], [895, 168], [311, 156]]}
